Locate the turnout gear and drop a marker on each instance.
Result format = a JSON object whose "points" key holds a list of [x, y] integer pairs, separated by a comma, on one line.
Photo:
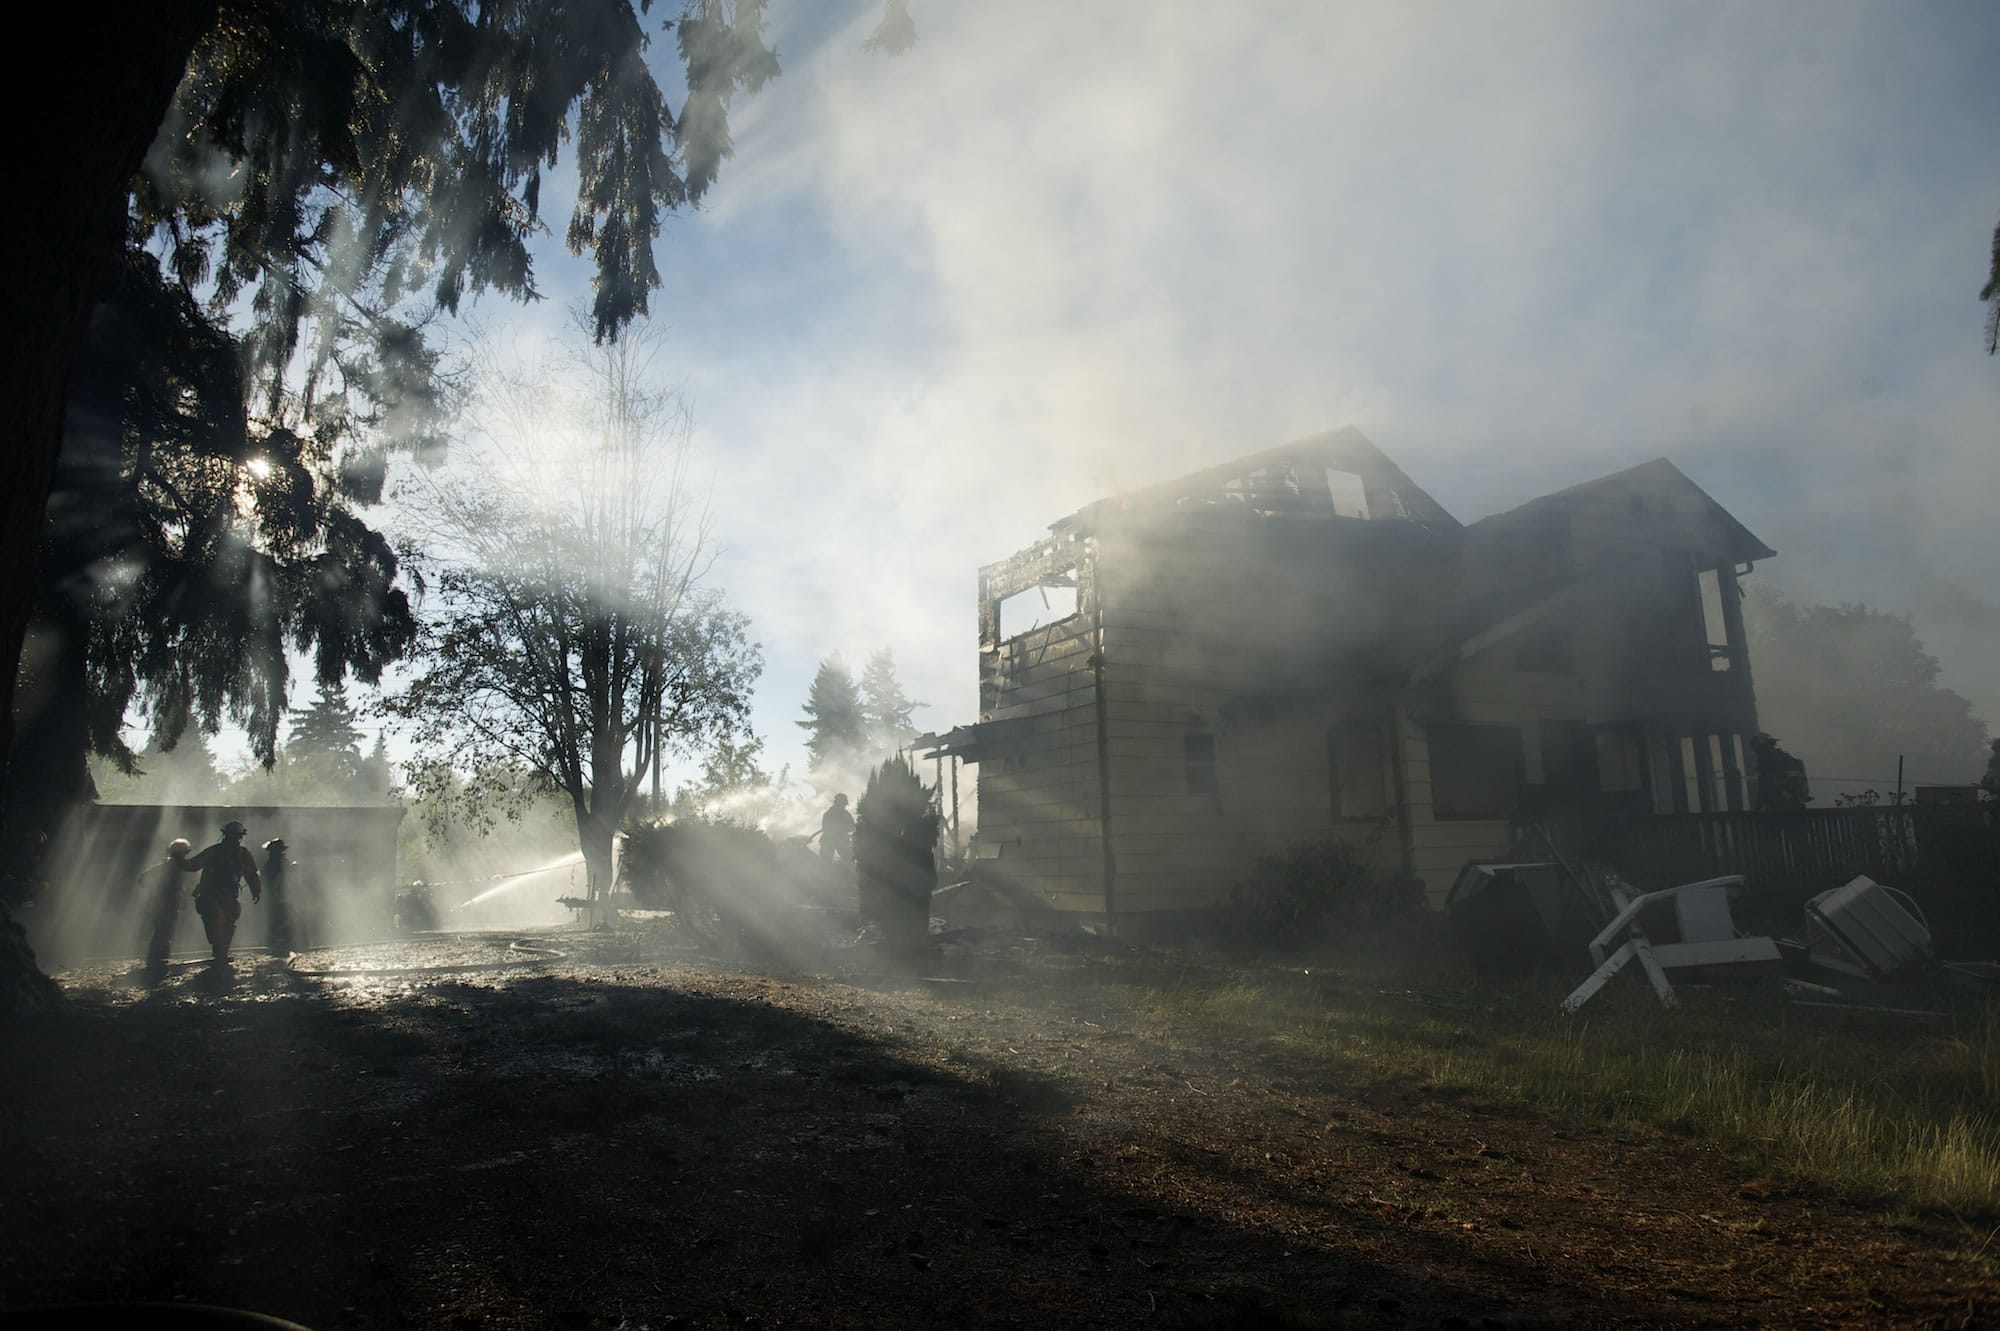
{"points": [[836, 832], [224, 867], [160, 891]]}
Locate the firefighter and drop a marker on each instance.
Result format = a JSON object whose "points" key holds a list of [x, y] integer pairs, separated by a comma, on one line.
{"points": [[224, 867], [1781, 778], [836, 832], [275, 863], [160, 894]]}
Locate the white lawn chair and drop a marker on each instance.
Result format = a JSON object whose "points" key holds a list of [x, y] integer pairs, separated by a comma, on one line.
{"points": [[1709, 937]]}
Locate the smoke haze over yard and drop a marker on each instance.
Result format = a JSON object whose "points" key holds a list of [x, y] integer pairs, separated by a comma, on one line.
{"points": [[1050, 253]]}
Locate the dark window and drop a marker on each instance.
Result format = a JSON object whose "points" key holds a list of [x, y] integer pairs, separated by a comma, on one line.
{"points": [[1569, 757], [1201, 767], [1354, 770], [1476, 771], [1546, 651], [1714, 621]]}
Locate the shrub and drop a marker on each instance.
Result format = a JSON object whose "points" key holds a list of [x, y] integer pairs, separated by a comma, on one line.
{"points": [[1317, 891], [702, 868], [895, 851]]}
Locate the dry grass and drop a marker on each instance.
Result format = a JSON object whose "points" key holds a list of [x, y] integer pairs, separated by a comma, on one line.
{"points": [[1868, 1107]]}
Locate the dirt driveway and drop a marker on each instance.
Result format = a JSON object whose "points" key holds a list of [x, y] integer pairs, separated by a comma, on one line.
{"points": [[602, 1131]]}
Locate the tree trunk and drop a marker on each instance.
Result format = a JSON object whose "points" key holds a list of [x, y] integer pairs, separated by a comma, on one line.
{"points": [[79, 149], [594, 837], [51, 769]]}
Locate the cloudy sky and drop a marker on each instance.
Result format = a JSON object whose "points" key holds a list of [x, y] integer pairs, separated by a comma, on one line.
{"points": [[939, 301]]}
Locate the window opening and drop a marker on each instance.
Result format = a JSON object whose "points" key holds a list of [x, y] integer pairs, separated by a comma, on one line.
{"points": [[1714, 623], [1348, 492], [1569, 757], [1038, 607]]}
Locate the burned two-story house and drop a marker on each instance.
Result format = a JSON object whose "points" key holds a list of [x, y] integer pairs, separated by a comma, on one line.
{"points": [[1303, 642]]}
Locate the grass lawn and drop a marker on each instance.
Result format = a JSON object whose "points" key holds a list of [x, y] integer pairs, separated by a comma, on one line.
{"points": [[1871, 1107]]}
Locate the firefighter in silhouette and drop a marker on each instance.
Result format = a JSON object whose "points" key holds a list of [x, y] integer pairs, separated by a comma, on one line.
{"points": [[275, 885], [836, 832], [1781, 778], [160, 896], [224, 867]]}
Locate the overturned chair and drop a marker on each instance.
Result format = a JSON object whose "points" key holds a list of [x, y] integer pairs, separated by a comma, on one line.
{"points": [[1708, 937]]}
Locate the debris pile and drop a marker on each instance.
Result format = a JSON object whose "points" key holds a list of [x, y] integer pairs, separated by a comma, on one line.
{"points": [[1515, 917]]}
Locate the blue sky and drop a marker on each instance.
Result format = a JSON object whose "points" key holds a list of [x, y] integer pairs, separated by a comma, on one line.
{"points": [[939, 301]]}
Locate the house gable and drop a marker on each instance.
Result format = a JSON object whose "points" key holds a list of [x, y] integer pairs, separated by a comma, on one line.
{"points": [[1653, 505], [1337, 474]]}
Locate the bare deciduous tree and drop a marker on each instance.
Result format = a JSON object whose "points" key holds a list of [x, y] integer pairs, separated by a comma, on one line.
{"points": [[568, 624]]}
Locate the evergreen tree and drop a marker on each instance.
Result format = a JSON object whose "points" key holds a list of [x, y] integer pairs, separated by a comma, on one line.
{"points": [[184, 774], [378, 774], [884, 709], [184, 554], [835, 723], [332, 174], [325, 735], [895, 845]]}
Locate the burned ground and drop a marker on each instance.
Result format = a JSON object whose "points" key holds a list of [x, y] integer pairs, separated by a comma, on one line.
{"points": [[604, 1131]]}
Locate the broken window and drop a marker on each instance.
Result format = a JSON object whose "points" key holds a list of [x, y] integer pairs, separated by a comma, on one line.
{"points": [[1354, 770], [1476, 771], [1201, 778], [1714, 622], [1046, 603], [1349, 492], [1569, 758], [1284, 487]]}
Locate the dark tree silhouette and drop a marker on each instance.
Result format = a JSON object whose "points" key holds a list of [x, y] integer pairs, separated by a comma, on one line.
{"points": [[1850, 690], [322, 161], [185, 549], [1991, 295], [324, 735], [895, 852]]}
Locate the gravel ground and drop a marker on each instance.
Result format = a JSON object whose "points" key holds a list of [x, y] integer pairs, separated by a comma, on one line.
{"points": [[615, 1130]]}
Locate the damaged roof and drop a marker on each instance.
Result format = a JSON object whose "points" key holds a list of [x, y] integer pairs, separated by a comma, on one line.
{"points": [[1419, 588], [1389, 491]]}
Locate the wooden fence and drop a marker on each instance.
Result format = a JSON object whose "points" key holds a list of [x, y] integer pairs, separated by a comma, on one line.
{"points": [[1788, 857]]}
